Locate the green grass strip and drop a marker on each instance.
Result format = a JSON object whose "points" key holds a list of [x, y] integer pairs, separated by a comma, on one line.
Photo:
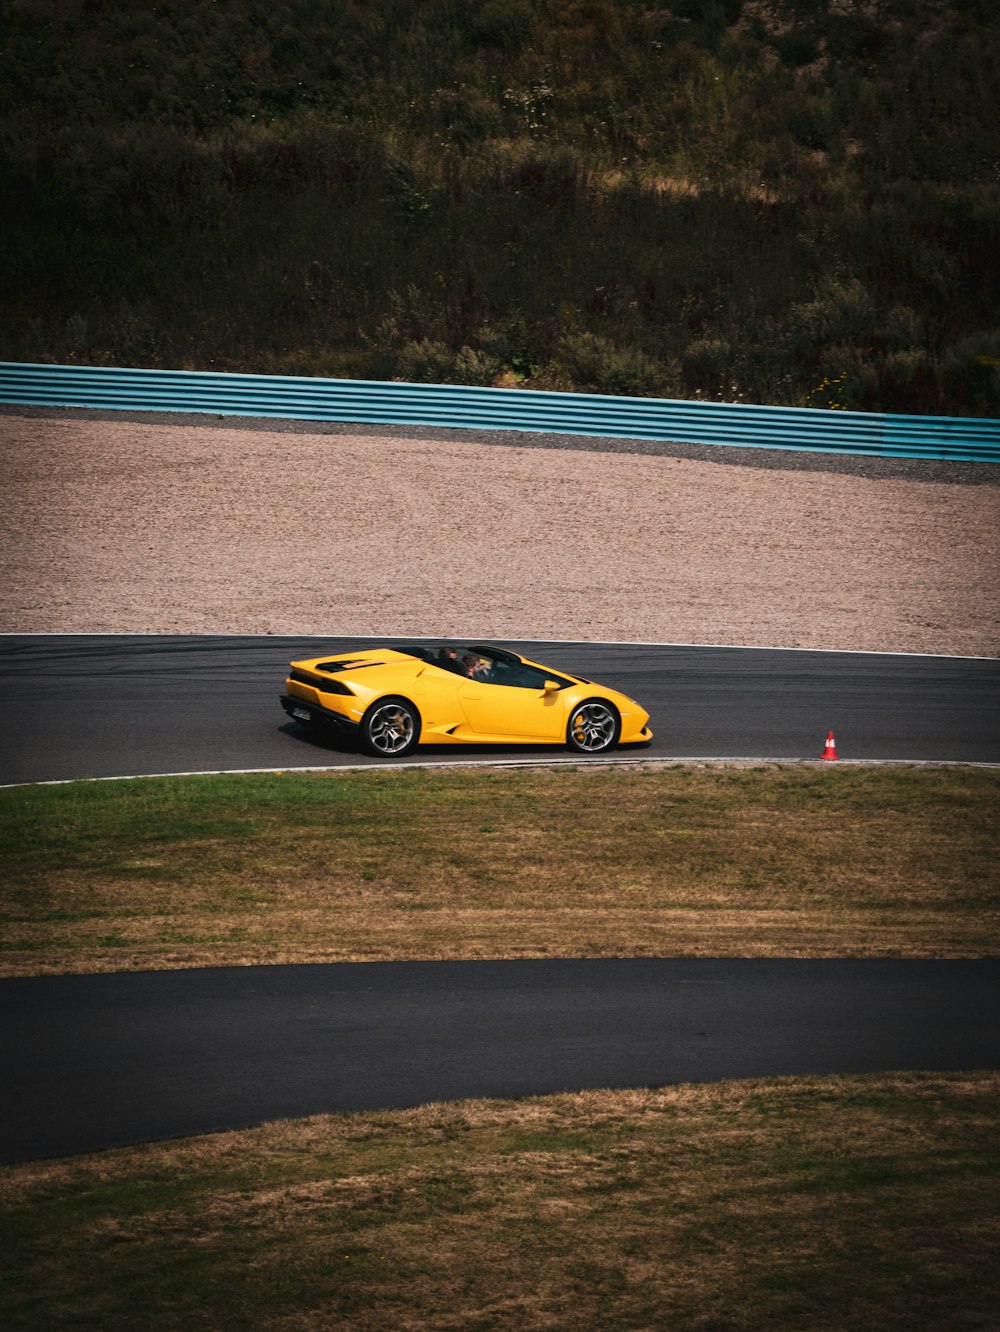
{"points": [[230, 870], [821, 1203]]}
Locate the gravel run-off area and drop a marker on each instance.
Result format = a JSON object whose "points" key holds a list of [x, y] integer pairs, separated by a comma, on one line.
{"points": [[143, 522]]}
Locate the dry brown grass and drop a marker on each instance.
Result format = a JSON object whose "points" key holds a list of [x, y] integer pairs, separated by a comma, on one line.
{"points": [[830, 1203], [600, 862]]}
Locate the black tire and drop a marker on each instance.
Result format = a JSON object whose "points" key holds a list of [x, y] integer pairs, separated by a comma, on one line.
{"points": [[594, 727], [390, 728]]}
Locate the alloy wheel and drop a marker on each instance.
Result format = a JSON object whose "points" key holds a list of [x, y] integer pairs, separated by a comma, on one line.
{"points": [[593, 728], [391, 728]]}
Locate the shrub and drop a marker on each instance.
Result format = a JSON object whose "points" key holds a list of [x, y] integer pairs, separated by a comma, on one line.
{"points": [[508, 342], [412, 318], [971, 374], [908, 381], [424, 362], [705, 365], [77, 338], [812, 123], [848, 381], [137, 336], [466, 116], [701, 10], [503, 24], [842, 313], [474, 367], [410, 198], [591, 361], [902, 328], [552, 177], [798, 47]]}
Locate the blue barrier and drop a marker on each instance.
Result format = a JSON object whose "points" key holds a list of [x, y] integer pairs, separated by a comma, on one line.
{"points": [[966, 439]]}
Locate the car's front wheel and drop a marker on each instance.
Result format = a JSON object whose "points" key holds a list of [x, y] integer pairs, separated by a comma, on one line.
{"points": [[594, 727], [390, 728]]}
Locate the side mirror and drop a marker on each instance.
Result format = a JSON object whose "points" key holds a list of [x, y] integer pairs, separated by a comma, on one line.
{"points": [[550, 686]]}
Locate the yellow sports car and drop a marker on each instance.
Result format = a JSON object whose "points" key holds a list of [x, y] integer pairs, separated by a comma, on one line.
{"points": [[393, 699]]}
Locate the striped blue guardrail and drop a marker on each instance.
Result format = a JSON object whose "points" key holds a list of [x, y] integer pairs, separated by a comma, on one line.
{"points": [[967, 439]]}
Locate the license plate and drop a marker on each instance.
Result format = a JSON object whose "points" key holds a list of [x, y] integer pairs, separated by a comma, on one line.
{"points": [[304, 713]]}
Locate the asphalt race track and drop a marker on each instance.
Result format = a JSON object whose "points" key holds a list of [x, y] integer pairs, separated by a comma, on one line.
{"points": [[96, 706], [99, 1061], [96, 1061]]}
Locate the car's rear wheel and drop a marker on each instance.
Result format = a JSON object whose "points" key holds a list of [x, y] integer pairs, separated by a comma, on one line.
{"points": [[390, 728], [594, 727]]}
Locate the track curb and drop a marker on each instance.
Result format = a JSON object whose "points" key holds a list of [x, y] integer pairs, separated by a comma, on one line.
{"points": [[738, 761]]}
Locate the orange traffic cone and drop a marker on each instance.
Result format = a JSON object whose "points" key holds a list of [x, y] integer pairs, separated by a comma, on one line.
{"points": [[831, 748]]}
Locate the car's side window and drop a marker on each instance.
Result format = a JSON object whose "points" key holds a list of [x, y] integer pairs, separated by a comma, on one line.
{"points": [[520, 676], [527, 677], [482, 667]]}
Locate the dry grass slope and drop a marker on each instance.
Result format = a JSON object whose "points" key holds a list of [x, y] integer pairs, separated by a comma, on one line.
{"points": [[515, 863], [829, 1203]]}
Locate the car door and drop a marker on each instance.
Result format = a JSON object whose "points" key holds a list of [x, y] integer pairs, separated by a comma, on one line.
{"points": [[522, 708], [435, 692]]}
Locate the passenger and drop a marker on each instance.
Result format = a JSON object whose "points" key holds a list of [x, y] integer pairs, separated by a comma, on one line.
{"points": [[448, 658], [477, 667]]}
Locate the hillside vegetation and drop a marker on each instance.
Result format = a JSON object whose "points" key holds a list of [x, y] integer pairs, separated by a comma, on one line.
{"points": [[795, 202]]}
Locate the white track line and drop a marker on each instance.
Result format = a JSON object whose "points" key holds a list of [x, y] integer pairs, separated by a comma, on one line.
{"points": [[400, 766]]}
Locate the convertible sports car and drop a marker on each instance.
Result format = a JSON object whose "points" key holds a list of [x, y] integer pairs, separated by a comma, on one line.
{"points": [[393, 699]]}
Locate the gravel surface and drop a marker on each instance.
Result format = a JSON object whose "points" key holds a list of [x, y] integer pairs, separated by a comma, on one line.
{"points": [[154, 522]]}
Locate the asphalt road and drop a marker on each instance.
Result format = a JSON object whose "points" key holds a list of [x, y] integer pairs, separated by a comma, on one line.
{"points": [[96, 706], [98, 1061]]}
